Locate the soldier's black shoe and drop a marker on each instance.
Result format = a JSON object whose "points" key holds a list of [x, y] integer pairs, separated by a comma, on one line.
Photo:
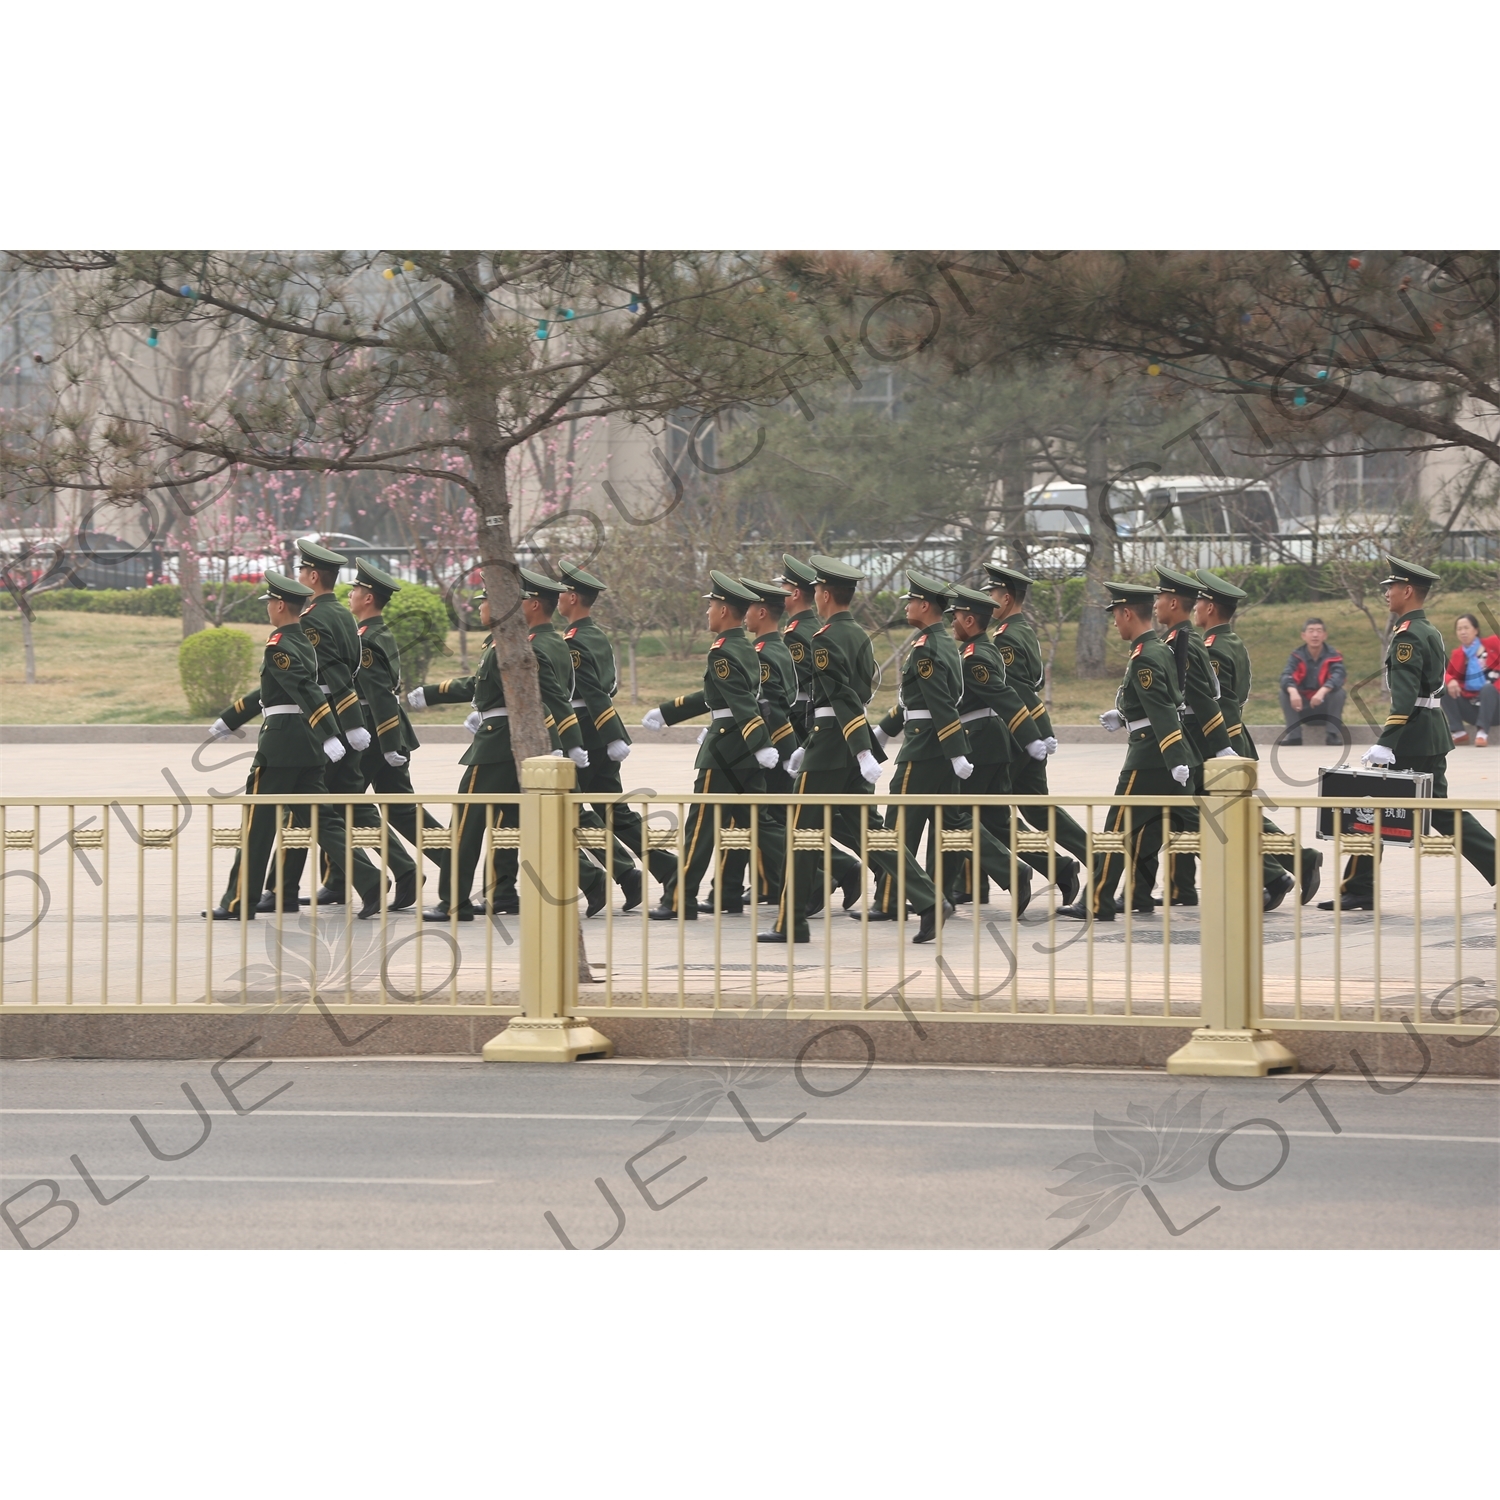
{"points": [[405, 893], [853, 887], [1187, 898], [1142, 906], [630, 889], [927, 930], [329, 897], [669, 913], [877, 916], [267, 903], [442, 914], [1022, 892], [370, 908], [220, 915], [707, 908], [1312, 873], [1276, 893], [504, 906], [1355, 903], [804, 936], [1067, 880], [597, 899], [1079, 912]]}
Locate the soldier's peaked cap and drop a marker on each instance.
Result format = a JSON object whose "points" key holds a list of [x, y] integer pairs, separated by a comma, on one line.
{"points": [[1001, 576], [288, 590], [831, 570], [572, 574], [1214, 587], [373, 577], [770, 593], [971, 599], [1407, 572], [796, 573], [925, 586], [1128, 593], [320, 557], [533, 584], [729, 590], [1173, 582]]}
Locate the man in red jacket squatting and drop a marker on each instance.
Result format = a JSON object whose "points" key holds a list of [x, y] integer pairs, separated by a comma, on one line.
{"points": [[1312, 687]]}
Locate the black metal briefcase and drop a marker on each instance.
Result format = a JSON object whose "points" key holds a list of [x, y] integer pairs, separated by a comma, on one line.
{"points": [[1368, 790]]}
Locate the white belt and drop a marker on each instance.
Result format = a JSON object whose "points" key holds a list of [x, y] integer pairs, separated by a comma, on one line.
{"points": [[280, 708], [1186, 712], [1429, 702], [1135, 724], [803, 698], [917, 713], [324, 688], [825, 713], [495, 713], [982, 713], [577, 703], [721, 713]]}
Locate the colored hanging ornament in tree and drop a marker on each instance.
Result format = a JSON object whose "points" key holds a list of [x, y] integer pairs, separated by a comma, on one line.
{"points": [[541, 329], [152, 339], [186, 291], [1153, 369], [408, 265], [635, 305], [389, 273]]}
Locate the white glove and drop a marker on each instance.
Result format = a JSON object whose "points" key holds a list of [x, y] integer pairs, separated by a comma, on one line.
{"points": [[869, 767], [333, 748], [767, 759], [617, 749], [881, 737], [1180, 774], [963, 767], [219, 730], [1051, 743], [359, 739], [794, 760], [1378, 755], [395, 758], [1112, 719], [558, 754], [417, 698], [473, 722], [652, 719], [1037, 749], [1232, 754], [580, 757]]}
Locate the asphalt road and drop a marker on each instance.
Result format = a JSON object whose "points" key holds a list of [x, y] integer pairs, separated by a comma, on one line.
{"points": [[456, 1154]]}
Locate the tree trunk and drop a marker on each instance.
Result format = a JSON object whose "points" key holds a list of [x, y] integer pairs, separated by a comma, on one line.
{"points": [[635, 687], [194, 615], [28, 645], [1015, 470], [461, 609], [474, 408], [1089, 659]]}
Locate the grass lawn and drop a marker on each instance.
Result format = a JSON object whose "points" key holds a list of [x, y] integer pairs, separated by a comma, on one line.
{"points": [[120, 669]]}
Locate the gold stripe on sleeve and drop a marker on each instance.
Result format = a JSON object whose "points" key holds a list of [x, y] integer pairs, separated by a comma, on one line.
{"points": [[781, 734], [321, 712], [751, 725], [1213, 723], [389, 724], [604, 718], [853, 724], [948, 729], [1170, 740], [568, 723], [1020, 719]]}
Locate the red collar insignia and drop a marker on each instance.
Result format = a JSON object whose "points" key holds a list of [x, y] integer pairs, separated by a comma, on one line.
{"points": [[362, 629], [822, 628], [921, 640], [790, 626], [1208, 640], [1402, 626], [1137, 651], [717, 644], [969, 649], [531, 636], [274, 639], [759, 645], [569, 634], [1003, 624]]}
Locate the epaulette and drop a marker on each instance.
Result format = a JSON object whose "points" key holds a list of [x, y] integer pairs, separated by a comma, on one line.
{"points": [[717, 644], [274, 639]]}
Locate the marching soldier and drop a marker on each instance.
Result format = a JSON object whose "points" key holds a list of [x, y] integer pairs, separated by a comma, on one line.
{"points": [[595, 682], [1031, 735], [734, 751], [1159, 761], [988, 706], [1415, 736], [297, 739], [385, 765], [934, 754], [840, 756], [1213, 614], [491, 760]]}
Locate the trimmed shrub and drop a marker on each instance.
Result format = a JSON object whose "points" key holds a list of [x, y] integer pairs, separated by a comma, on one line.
{"points": [[163, 600], [215, 667], [419, 620]]}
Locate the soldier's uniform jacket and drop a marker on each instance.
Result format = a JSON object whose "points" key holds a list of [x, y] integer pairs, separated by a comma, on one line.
{"points": [[379, 679], [731, 681], [797, 631], [288, 676], [331, 631], [843, 679], [988, 704], [1414, 663], [1149, 692], [1021, 653], [1231, 664], [595, 682], [487, 693], [931, 686], [778, 690], [1196, 680]]}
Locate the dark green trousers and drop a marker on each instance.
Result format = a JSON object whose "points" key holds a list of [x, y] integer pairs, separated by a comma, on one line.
{"points": [[602, 778], [341, 779], [388, 780], [291, 781], [1028, 778], [698, 836], [1143, 841], [845, 824], [1358, 883]]}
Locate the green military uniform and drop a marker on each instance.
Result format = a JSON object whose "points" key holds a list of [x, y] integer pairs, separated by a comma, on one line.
{"points": [[491, 761], [1231, 664], [933, 755], [297, 722], [1415, 737], [1021, 653], [842, 683], [727, 757], [1146, 705], [384, 767], [988, 706]]}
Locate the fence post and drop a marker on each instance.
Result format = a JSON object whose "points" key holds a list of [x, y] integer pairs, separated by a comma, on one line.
{"points": [[547, 1030], [1231, 925]]}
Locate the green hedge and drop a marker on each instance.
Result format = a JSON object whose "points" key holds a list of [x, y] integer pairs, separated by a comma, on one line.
{"points": [[215, 667], [162, 599]]}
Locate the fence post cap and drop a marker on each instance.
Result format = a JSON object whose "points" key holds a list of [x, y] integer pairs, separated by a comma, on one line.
{"points": [[1223, 775], [548, 773]]}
